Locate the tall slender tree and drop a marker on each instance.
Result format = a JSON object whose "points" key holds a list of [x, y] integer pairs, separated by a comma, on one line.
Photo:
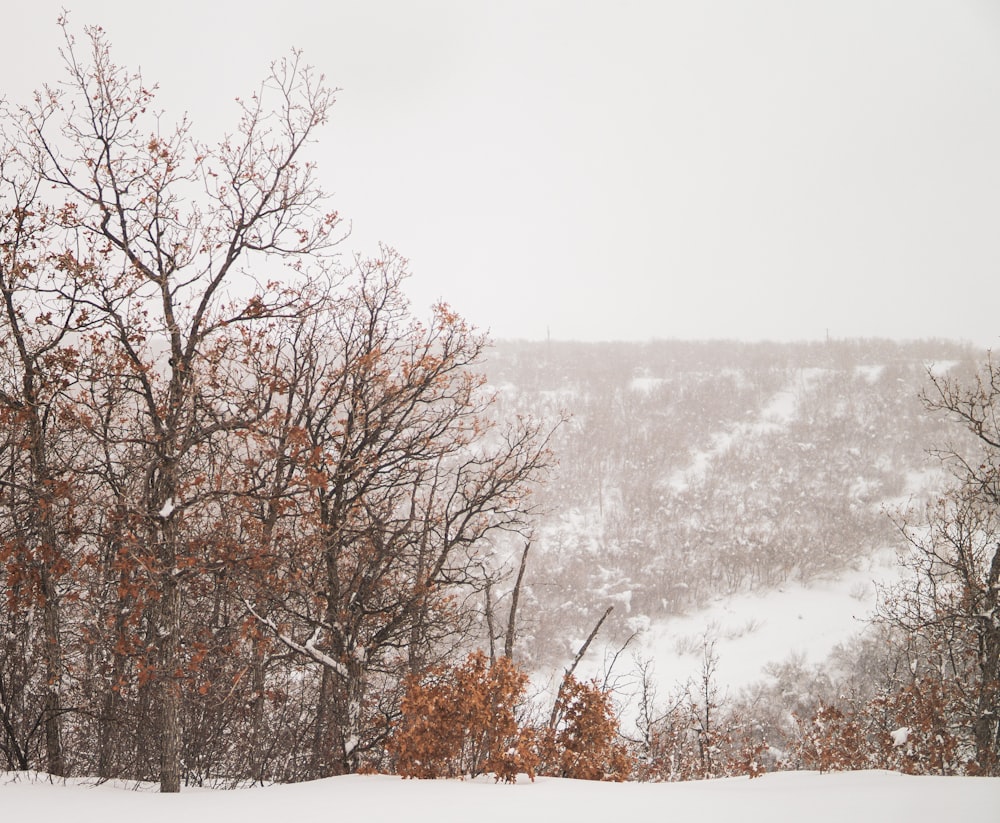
{"points": [[40, 321]]}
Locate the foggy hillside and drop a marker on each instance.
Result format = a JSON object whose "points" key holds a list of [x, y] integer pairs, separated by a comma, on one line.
{"points": [[694, 470]]}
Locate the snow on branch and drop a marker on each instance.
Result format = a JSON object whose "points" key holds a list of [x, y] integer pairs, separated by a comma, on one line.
{"points": [[308, 649]]}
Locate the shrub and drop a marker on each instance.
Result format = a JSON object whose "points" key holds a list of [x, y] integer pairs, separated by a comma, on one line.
{"points": [[584, 741], [459, 720]]}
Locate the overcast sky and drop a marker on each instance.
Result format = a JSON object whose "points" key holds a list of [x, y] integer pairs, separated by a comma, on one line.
{"points": [[625, 170]]}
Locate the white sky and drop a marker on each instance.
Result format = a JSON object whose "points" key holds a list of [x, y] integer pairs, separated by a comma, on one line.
{"points": [[776, 169]]}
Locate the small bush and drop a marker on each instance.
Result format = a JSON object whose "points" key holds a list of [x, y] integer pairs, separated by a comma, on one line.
{"points": [[585, 742], [459, 720]]}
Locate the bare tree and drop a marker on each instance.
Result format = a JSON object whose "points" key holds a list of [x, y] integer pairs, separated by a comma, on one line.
{"points": [[515, 596], [949, 606]]}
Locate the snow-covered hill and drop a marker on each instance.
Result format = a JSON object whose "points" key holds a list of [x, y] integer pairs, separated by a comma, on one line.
{"points": [[730, 492]]}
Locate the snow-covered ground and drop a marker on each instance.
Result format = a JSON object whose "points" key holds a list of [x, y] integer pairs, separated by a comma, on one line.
{"points": [[857, 797], [752, 630]]}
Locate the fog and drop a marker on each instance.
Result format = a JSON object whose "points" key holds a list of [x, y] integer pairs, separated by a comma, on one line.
{"points": [[601, 171]]}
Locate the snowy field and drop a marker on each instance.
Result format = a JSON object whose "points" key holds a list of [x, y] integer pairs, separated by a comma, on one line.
{"points": [[855, 797], [750, 631], [754, 629]]}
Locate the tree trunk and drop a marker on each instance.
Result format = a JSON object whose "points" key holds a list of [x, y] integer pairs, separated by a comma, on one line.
{"points": [[508, 645], [44, 511], [170, 704], [352, 718], [257, 759], [146, 724], [53, 675], [986, 729], [322, 766], [110, 719], [106, 734]]}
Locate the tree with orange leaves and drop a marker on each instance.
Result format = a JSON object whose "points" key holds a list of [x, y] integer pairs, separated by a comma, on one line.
{"points": [[402, 476], [300, 465], [163, 228]]}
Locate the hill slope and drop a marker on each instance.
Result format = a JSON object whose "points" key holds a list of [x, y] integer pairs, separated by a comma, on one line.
{"points": [[692, 472]]}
